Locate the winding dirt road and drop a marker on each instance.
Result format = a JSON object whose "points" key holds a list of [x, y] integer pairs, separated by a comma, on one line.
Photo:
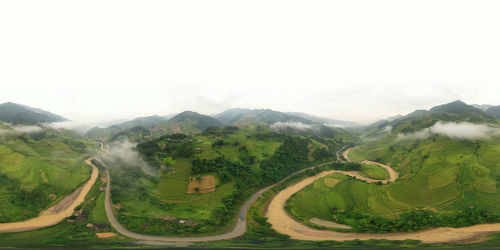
{"points": [[238, 230], [283, 223], [58, 212]]}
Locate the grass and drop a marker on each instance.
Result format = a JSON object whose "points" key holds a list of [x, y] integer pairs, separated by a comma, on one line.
{"points": [[171, 187], [373, 171], [68, 234], [436, 173], [317, 199], [47, 160]]}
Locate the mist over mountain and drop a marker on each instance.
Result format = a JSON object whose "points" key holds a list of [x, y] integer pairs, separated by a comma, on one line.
{"points": [[494, 111]]}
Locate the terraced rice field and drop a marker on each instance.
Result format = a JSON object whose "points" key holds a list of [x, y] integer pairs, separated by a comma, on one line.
{"points": [[440, 173]]}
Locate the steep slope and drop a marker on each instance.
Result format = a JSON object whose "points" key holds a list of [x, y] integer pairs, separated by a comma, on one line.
{"points": [[451, 112], [323, 120], [189, 122], [138, 127], [494, 111], [445, 170], [242, 117], [21, 114], [38, 169]]}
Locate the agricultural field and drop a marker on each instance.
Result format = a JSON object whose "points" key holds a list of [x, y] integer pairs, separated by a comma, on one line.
{"points": [[318, 199], [373, 172], [232, 158], [74, 232], [437, 174], [37, 171]]}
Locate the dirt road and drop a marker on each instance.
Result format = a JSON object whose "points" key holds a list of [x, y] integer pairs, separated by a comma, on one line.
{"points": [[58, 212], [238, 230], [283, 223]]}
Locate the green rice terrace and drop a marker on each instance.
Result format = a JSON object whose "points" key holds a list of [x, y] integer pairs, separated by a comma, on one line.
{"points": [[244, 178]]}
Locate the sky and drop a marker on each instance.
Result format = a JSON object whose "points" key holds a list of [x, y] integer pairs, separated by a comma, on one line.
{"points": [[353, 60]]}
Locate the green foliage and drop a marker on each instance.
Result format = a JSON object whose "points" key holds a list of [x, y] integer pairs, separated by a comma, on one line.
{"points": [[415, 220], [291, 156]]}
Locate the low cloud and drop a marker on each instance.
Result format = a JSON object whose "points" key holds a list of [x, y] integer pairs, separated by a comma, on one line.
{"points": [[454, 130], [125, 152], [28, 129], [20, 129], [387, 129], [293, 125], [71, 125]]}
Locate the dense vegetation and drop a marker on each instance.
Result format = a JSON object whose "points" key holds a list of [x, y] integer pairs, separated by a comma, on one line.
{"points": [[442, 181], [241, 161], [38, 169]]}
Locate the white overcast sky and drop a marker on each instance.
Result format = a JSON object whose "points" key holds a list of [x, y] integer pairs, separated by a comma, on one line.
{"points": [[351, 60]]}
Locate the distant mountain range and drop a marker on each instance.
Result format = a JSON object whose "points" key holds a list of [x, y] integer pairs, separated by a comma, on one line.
{"points": [[291, 122], [456, 111], [22, 114]]}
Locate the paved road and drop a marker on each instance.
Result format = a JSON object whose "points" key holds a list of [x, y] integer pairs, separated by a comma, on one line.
{"points": [[238, 230]]}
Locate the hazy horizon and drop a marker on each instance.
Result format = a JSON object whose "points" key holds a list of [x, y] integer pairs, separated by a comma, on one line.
{"points": [[340, 60]]}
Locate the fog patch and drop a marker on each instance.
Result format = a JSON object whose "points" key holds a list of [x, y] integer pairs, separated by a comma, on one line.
{"points": [[28, 129], [20, 129], [387, 129], [70, 125], [293, 125], [125, 152], [455, 130], [464, 130]]}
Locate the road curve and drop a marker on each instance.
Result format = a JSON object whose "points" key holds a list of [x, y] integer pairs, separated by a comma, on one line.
{"points": [[238, 230], [283, 223], [58, 212]]}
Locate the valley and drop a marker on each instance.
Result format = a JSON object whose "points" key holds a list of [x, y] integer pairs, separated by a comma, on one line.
{"points": [[192, 179]]}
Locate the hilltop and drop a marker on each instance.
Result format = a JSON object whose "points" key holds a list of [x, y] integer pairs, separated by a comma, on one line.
{"points": [[21, 114]]}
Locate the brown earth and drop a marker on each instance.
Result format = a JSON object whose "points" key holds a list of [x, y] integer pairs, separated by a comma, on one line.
{"points": [[58, 212], [284, 224], [206, 185], [105, 235]]}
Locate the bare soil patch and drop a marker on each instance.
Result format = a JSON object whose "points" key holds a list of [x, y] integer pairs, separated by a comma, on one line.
{"points": [[329, 224], [105, 235], [199, 186]]}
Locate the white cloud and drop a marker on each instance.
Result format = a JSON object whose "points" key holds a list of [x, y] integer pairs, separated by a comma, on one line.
{"points": [[129, 157], [454, 130], [293, 125]]}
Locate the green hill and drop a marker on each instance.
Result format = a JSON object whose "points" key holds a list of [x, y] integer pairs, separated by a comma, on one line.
{"points": [[440, 174], [240, 161], [21, 114], [242, 117], [137, 129], [494, 111], [38, 169]]}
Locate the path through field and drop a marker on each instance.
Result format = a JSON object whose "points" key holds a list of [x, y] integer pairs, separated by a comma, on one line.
{"points": [[58, 212], [283, 223]]}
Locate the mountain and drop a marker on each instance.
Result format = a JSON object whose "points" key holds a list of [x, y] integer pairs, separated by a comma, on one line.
{"points": [[455, 112], [138, 127], [482, 107], [494, 111], [242, 117], [456, 107], [326, 121], [189, 122], [21, 114], [148, 122]]}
